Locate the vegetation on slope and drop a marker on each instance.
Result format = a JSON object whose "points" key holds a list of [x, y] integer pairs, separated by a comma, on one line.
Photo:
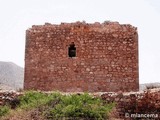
{"points": [[58, 106]]}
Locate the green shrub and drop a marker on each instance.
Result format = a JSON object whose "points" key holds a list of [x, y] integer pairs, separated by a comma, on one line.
{"points": [[79, 106], [57, 106], [33, 99], [4, 110]]}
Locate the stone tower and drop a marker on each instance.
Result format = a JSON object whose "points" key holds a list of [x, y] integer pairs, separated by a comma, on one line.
{"points": [[82, 57]]}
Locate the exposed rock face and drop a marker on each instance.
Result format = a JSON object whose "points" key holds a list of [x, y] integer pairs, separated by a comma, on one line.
{"points": [[11, 75], [106, 57]]}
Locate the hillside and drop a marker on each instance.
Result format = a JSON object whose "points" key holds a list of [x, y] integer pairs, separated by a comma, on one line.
{"points": [[144, 86], [11, 76]]}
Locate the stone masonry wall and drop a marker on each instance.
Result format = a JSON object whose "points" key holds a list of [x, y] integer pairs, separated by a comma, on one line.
{"points": [[135, 105], [106, 57]]}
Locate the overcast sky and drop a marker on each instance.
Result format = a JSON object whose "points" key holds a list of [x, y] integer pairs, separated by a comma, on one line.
{"points": [[18, 15]]}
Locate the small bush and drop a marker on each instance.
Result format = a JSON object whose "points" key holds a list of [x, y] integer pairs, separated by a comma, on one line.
{"points": [[4, 110], [79, 106], [33, 99]]}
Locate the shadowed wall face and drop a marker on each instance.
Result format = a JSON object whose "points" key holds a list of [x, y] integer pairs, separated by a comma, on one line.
{"points": [[82, 57]]}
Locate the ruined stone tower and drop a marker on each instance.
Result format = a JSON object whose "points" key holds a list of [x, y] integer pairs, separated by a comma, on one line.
{"points": [[82, 57]]}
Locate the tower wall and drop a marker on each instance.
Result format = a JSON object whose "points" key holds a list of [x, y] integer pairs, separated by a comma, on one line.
{"points": [[106, 57]]}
